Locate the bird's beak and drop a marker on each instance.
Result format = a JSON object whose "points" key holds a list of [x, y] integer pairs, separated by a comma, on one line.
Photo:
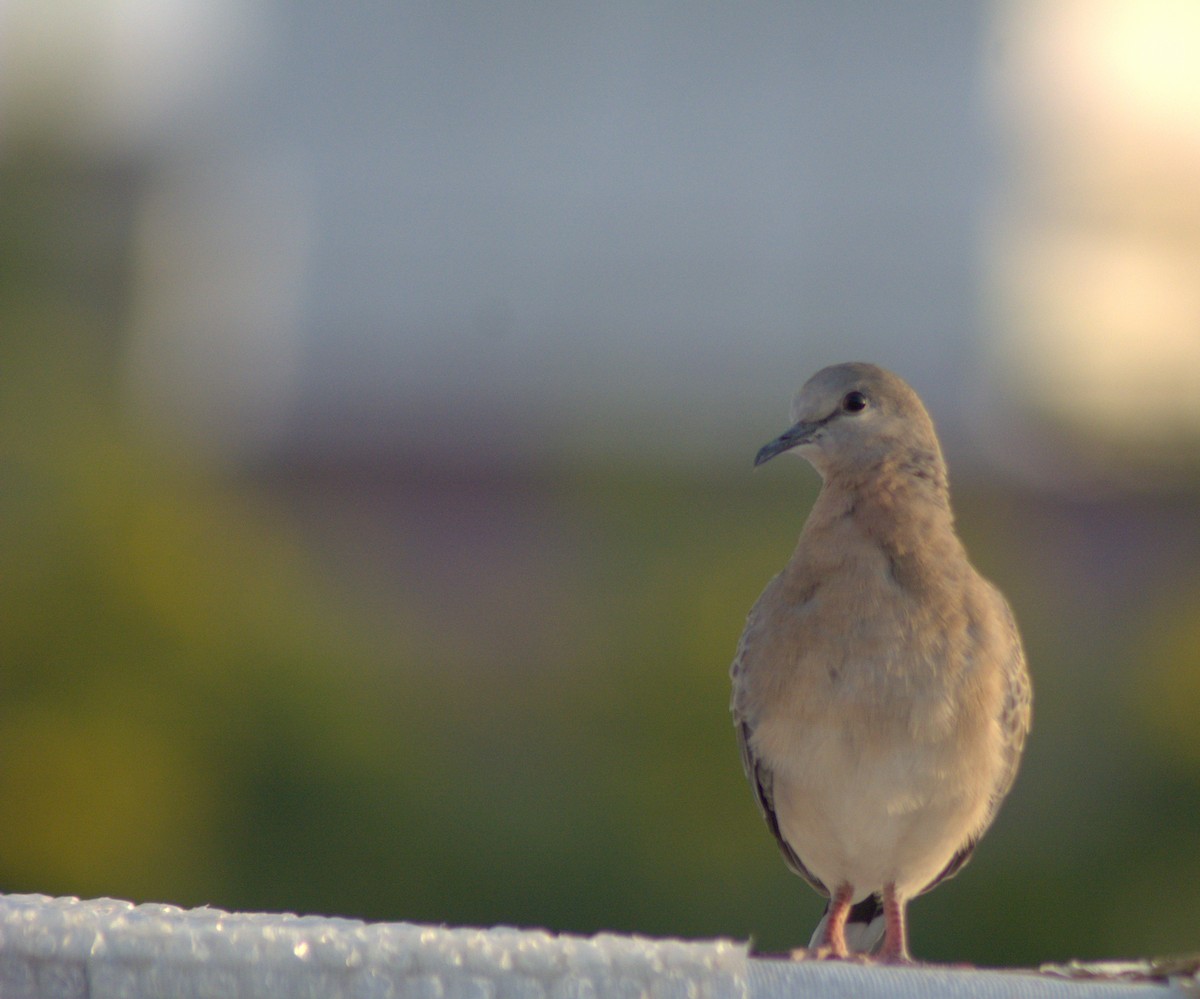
{"points": [[801, 433]]}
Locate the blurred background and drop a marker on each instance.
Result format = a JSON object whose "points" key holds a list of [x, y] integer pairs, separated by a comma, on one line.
{"points": [[379, 386]]}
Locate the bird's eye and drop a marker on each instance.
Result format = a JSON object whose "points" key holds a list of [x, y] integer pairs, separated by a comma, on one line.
{"points": [[854, 402]]}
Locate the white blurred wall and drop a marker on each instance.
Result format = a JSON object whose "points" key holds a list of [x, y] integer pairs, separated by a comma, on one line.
{"points": [[1095, 253], [479, 230]]}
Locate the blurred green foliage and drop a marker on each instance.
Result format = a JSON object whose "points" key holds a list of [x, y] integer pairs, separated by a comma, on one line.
{"points": [[199, 704]]}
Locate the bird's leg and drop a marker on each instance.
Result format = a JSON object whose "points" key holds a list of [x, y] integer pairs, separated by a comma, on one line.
{"points": [[895, 937], [834, 944]]}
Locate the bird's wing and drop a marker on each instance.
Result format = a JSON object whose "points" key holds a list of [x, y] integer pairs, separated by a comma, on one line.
{"points": [[1016, 714], [758, 773]]}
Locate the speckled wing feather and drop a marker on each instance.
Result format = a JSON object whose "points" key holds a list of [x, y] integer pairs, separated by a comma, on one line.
{"points": [[757, 772], [1018, 709], [1015, 718]]}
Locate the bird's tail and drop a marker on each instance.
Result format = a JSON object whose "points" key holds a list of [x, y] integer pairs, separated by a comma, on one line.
{"points": [[864, 926]]}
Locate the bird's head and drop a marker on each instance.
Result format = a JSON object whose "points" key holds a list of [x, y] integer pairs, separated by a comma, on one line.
{"points": [[850, 419]]}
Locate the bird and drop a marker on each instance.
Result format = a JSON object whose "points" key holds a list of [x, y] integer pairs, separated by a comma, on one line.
{"points": [[881, 698]]}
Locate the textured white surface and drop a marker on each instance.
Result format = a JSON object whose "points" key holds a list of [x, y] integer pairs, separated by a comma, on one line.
{"points": [[62, 948], [828, 979]]}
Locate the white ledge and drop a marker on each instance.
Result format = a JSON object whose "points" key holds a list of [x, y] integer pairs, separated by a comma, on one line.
{"points": [[64, 948]]}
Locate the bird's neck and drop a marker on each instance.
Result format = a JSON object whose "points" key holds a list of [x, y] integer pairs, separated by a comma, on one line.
{"points": [[901, 504]]}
